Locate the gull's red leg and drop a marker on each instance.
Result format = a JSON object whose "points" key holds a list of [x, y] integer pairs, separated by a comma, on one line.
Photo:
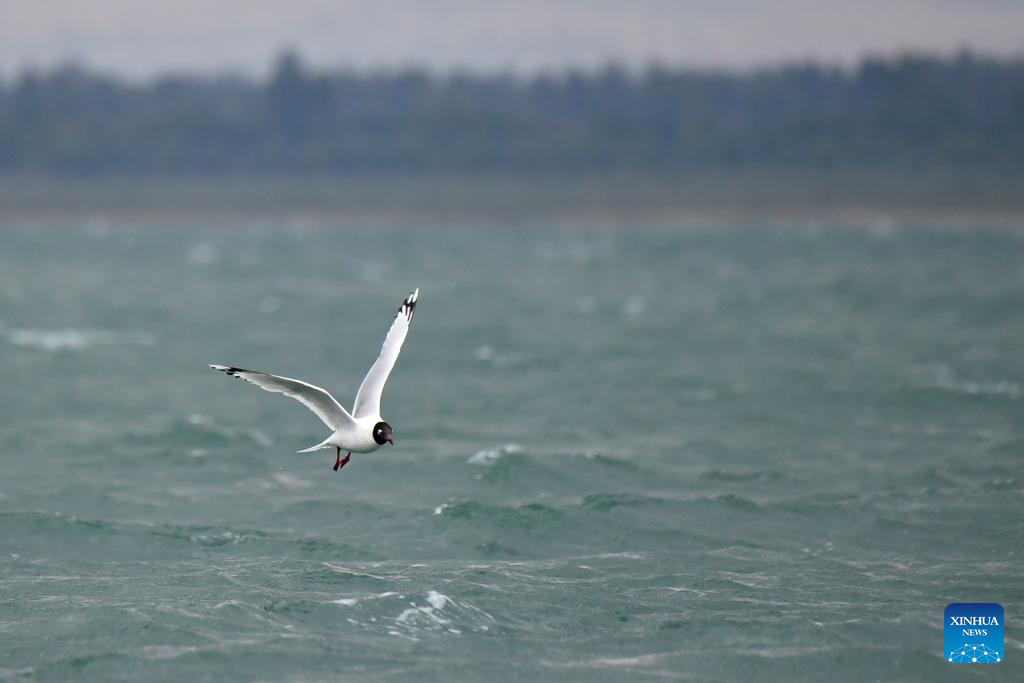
{"points": [[339, 461]]}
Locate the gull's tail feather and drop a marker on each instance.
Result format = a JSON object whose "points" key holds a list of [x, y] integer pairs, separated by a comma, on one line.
{"points": [[317, 447]]}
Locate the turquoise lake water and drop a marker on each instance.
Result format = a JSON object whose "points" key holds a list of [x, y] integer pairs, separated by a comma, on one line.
{"points": [[687, 452]]}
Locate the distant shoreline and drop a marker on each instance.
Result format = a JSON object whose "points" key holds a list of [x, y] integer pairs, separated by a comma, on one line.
{"points": [[945, 195]]}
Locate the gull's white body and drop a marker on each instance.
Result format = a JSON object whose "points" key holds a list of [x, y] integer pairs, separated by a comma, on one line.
{"points": [[351, 431], [358, 438]]}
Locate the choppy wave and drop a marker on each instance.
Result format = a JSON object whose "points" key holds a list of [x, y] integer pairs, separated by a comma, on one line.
{"points": [[656, 455], [154, 537], [195, 430]]}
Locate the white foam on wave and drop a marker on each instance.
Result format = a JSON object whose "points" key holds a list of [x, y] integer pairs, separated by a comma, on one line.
{"points": [[432, 612], [489, 354], [942, 377], [424, 615], [996, 388], [781, 652], [167, 651], [437, 600], [12, 673], [352, 572], [489, 456], [638, 661], [348, 602], [72, 339], [230, 603], [442, 614]]}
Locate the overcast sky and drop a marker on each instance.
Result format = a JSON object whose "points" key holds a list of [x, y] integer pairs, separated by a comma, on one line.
{"points": [[138, 38]]}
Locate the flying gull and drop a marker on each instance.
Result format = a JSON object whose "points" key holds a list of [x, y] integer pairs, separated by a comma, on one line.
{"points": [[363, 430]]}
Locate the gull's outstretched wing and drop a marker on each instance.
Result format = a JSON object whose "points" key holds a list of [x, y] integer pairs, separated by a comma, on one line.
{"points": [[314, 398], [368, 398]]}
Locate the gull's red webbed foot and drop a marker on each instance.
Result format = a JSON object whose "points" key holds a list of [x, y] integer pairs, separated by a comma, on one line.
{"points": [[341, 462]]}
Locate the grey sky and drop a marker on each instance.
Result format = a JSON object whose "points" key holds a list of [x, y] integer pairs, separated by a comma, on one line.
{"points": [[138, 37]]}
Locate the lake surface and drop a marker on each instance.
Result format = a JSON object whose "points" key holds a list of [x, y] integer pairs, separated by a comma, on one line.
{"points": [[624, 453]]}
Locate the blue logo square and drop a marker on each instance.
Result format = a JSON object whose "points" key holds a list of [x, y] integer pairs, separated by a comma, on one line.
{"points": [[974, 632]]}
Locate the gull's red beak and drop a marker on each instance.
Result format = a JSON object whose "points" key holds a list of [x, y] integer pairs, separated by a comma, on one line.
{"points": [[391, 441]]}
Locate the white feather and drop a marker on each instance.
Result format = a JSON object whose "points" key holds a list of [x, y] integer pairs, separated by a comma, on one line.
{"points": [[367, 402]]}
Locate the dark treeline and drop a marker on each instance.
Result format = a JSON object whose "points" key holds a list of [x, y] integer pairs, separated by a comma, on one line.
{"points": [[905, 112]]}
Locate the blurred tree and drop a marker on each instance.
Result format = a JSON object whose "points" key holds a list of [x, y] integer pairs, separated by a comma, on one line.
{"points": [[907, 111]]}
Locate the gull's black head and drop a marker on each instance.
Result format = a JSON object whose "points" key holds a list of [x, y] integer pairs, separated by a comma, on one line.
{"points": [[382, 433]]}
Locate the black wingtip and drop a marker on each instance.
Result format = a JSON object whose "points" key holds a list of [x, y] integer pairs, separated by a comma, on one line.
{"points": [[408, 307], [227, 370]]}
